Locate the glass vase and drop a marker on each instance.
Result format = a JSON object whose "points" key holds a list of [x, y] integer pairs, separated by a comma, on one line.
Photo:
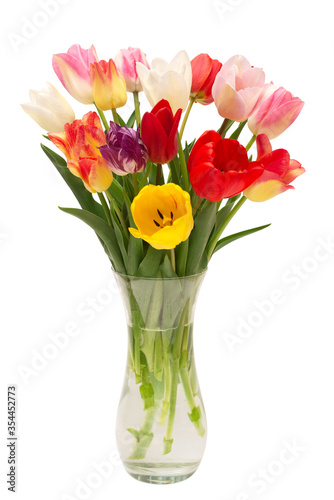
{"points": [[161, 423]]}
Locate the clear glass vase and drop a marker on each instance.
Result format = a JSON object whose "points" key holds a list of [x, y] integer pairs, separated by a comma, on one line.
{"points": [[161, 423]]}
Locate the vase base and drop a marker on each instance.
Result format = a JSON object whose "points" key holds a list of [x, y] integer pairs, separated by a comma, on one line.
{"points": [[155, 473]]}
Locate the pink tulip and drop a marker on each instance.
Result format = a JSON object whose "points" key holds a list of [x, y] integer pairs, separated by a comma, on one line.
{"points": [[275, 113], [125, 61], [73, 70], [237, 88]]}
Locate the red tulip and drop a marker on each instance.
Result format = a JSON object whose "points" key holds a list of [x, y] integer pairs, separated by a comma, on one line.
{"points": [[159, 132], [219, 168], [204, 71]]}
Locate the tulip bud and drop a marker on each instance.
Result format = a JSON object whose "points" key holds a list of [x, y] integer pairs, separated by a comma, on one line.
{"points": [[204, 71], [125, 61], [73, 70], [275, 113], [109, 90], [49, 109]]}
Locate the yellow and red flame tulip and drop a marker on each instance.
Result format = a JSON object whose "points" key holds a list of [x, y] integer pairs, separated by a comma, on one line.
{"points": [[279, 171], [79, 142]]}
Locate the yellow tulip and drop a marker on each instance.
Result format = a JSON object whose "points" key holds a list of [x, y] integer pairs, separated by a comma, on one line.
{"points": [[163, 216]]}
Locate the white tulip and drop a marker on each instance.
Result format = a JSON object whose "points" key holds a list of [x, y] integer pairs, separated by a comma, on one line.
{"points": [[49, 109], [170, 81]]}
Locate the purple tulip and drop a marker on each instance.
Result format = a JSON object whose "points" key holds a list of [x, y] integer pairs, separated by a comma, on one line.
{"points": [[125, 152]]}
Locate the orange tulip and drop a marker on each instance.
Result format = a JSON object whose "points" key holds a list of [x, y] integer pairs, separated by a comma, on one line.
{"points": [[79, 142]]}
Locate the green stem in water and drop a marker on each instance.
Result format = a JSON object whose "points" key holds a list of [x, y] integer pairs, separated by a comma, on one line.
{"points": [[114, 115], [144, 436], [118, 212], [251, 142], [103, 118], [183, 166], [105, 208], [137, 107], [185, 118], [223, 226], [168, 440], [195, 412]]}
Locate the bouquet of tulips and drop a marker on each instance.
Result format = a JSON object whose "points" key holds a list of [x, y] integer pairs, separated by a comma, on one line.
{"points": [[159, 204]]}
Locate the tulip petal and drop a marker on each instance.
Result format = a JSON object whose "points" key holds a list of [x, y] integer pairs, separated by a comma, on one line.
{"points": [[266, 190]]}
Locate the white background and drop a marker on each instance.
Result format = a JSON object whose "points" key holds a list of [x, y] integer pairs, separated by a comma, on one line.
{"points": [[272, 387]]}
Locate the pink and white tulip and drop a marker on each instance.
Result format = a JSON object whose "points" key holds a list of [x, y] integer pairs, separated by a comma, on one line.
{"points": [[49, 109], [237, 88], [275, 113], [125, 61], [169, 81], [73, 70]]}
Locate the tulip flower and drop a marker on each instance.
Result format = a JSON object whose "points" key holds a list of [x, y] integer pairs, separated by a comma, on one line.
{"points": [[163, 215], [125, 61], [219, 168], [159, 132], [49, 109], [109, 90], [274, 114], [73, 70], [237, 88], [170, 81], [125, 152], [279, 171], [80, 142], [204, 71]]}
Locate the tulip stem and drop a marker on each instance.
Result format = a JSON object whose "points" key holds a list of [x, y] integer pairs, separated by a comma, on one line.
{"points": [[224, 127], [158, 176], [172, 259], [223, 225], [118, 212], [197, 205], [135, 184], [114, 115], [185, 118], [103, 118], [251, 142], [144, 179], [137, 107], [183, 166], [105, 207]]}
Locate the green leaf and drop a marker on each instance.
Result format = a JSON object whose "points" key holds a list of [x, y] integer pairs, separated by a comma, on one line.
{"points": [[223, 212], [83, 196], [131, 121], [204, 222], [228, 239], [116, 191], [150, 264], [121, 121], [104, 232], [238, 130], [166, 268]]}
